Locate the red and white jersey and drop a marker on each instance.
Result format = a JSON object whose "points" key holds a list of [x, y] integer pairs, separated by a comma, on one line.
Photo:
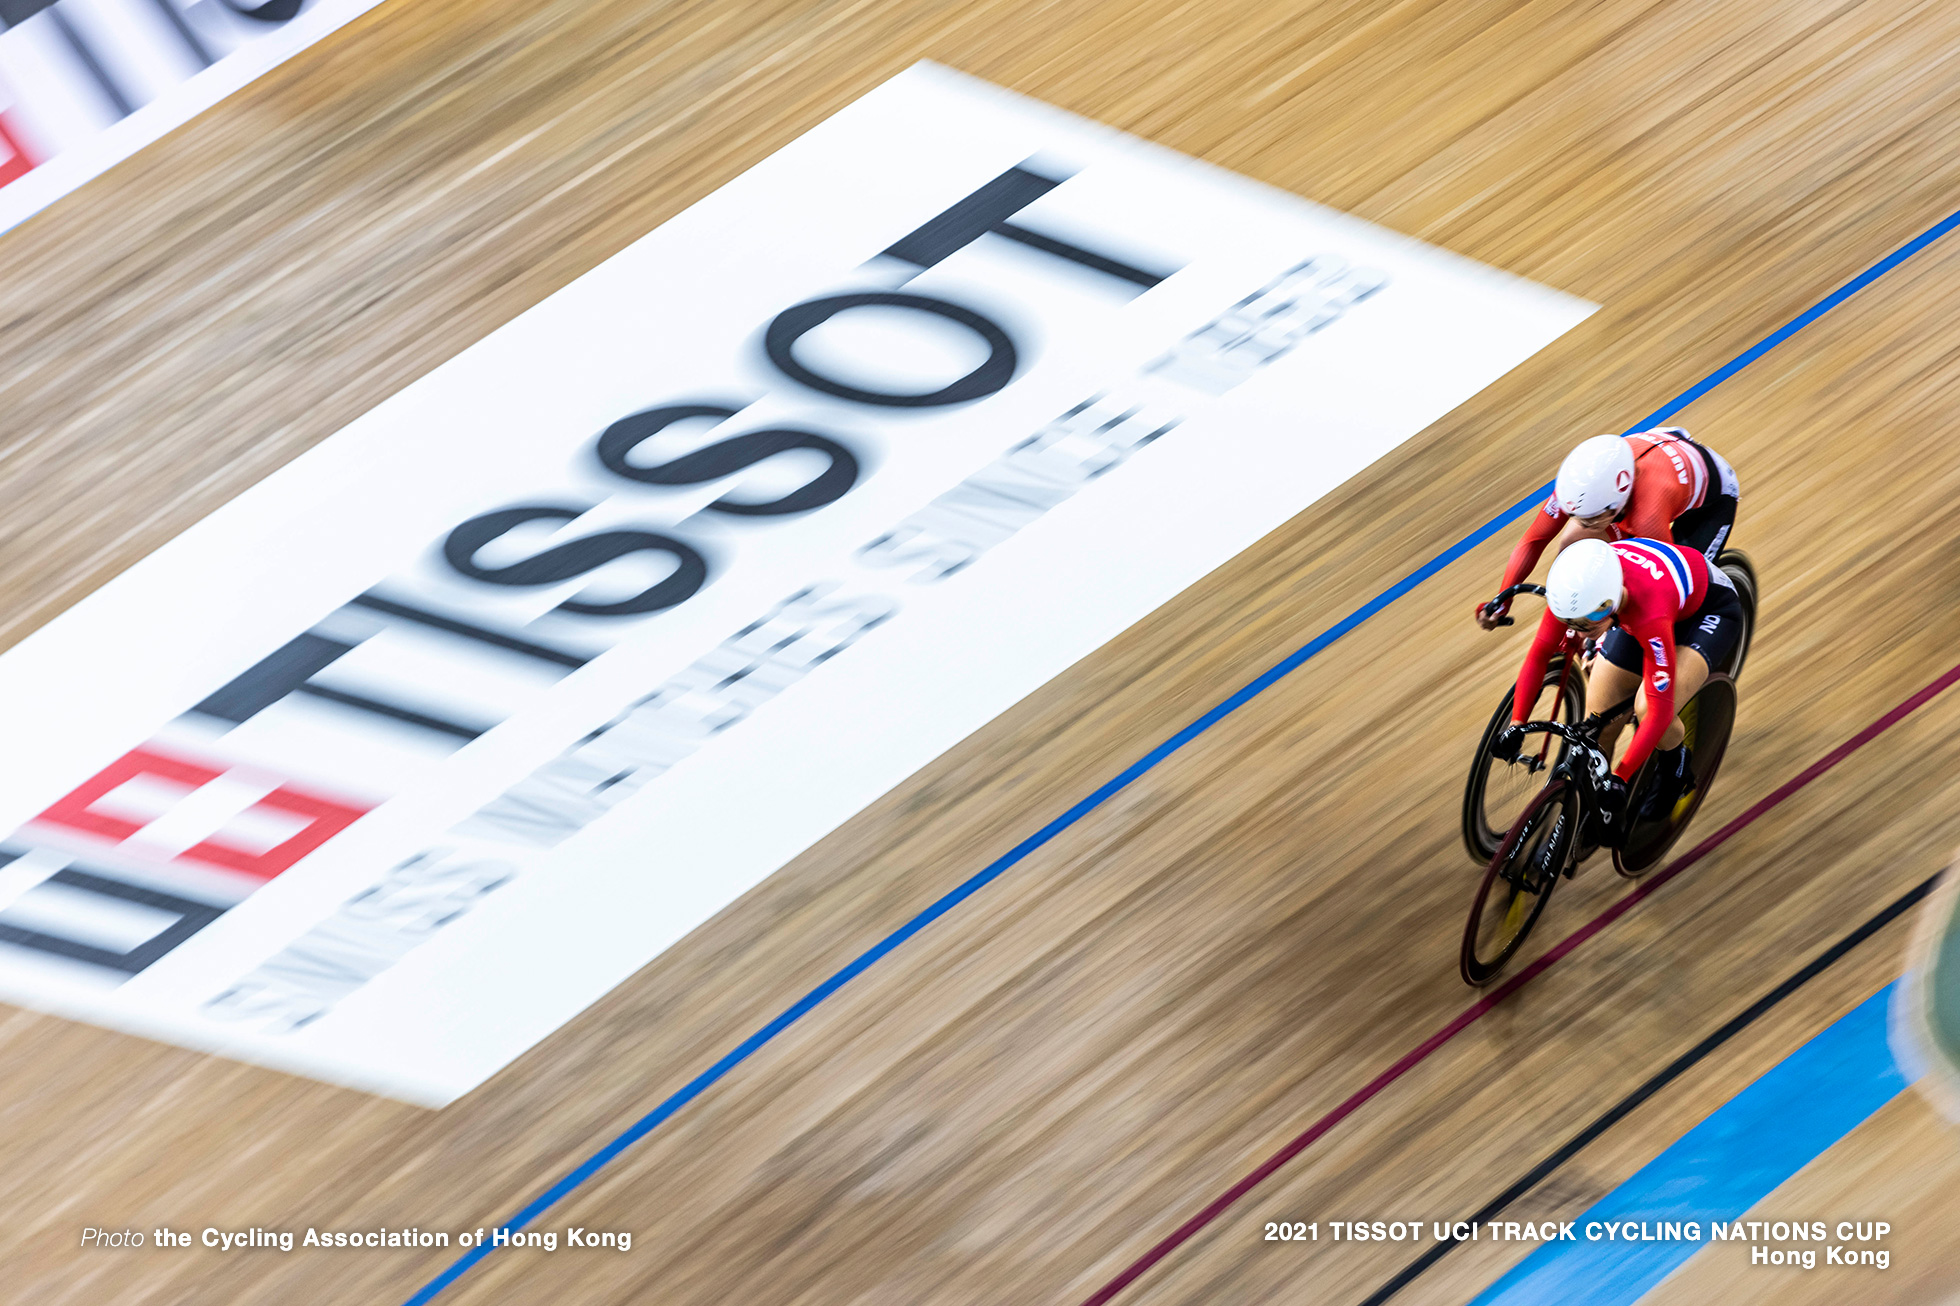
{"points": [[1670, 477], [1675, 472], [1663, 585]]}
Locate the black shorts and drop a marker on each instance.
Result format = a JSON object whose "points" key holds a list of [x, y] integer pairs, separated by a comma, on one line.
{"points": [[1711, 631], [1706, 529]]}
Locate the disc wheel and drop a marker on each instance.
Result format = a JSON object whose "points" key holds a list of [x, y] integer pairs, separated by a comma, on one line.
{"points": [[1706, 721], [1519, 882], [1497, 792], [1735, 564]]}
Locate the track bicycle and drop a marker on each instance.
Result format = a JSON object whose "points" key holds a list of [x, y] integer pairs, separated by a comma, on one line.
{"points": [[1550, 838], [1495, 793], [1542, 846]]}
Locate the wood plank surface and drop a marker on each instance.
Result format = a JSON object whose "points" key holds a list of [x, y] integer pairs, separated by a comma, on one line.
{"points": [[1042, 1084]]}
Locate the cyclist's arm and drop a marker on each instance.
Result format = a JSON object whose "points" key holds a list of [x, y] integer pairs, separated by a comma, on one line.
{"points": [[1660, 697], [1544, 525], [1531, 679]]}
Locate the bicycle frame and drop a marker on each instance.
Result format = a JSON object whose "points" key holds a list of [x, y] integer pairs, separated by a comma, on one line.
{"points": [[1505, 596], [1483, 829], [1585, 765]]}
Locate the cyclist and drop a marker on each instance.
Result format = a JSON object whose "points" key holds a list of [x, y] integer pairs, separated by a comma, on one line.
{"points": [[1663, 617], [1657, 485]]}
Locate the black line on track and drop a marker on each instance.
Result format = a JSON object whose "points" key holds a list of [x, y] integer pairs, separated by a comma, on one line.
{"points": [[1673, 1070]]}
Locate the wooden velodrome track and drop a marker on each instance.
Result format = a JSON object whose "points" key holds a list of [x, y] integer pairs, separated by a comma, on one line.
{"points": [[1026, 1097]]}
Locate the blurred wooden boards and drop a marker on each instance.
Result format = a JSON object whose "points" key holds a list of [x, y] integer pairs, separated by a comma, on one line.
{"points": [[1045, 1082]]}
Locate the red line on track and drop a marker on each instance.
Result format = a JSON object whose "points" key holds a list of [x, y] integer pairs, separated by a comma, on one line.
{"points": [[1476, 1010]]}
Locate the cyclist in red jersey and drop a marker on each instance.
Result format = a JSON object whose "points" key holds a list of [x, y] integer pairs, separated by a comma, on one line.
{"points": [[1657, 485], [1663, 618]]}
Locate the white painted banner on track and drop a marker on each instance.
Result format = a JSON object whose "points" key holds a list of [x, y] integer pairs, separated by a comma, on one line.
{"points": [[386, 769], [84, 84]]}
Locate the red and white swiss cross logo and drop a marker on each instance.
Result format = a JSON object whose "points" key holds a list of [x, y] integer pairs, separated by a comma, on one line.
{"points": [[15, 162], [238, 819]]}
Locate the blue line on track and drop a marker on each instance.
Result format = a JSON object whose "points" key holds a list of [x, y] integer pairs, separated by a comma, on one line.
{"points": [[750, 1045], [1719, 1170]]}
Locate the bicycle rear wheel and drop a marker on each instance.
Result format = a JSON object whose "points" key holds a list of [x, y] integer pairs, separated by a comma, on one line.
{"points": [[1706, 721], [1735, 564], [1497, 792], [1519, 882]]}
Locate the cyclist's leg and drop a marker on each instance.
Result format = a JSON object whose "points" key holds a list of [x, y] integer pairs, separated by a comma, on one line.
{"points": [[1673, 773], [1610, 687], [1690, 674], [1702, 640], [1616, 674], [1611, 682], [1711, 633]]}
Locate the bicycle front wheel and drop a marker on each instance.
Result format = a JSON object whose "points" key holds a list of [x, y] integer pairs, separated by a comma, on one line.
{"points": [[1519, 882], [1497, 791]]}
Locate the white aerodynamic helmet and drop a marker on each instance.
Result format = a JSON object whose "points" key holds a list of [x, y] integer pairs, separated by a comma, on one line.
{"points": [[1584, 582], [1595, 477]]}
